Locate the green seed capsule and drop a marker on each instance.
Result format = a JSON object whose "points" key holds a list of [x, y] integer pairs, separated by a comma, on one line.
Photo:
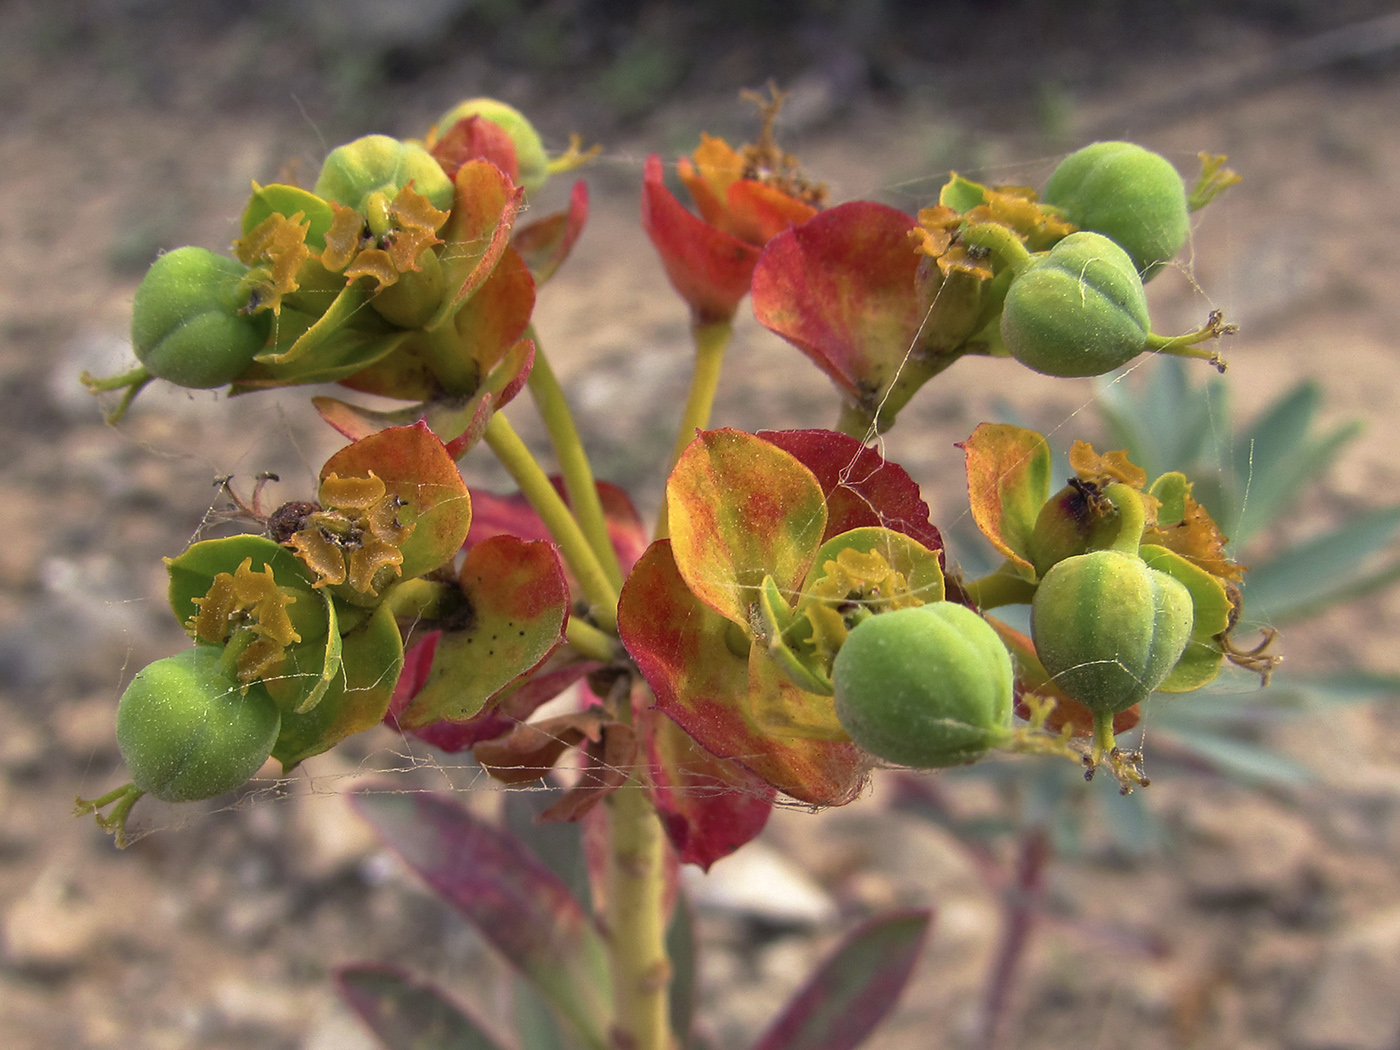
{"points": [[186, 321], [352, 174], [187, 731], [1109, 629], [1078, 310], [529, 149], [927, 687], [1126, 193]]}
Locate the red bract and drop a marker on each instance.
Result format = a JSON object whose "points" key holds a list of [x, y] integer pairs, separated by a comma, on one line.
{"points": [[708, 268], [842, 288]]}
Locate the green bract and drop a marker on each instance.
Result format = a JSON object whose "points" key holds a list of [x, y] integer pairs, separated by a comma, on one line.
{"points": [[1078, 310], [186, 322], [1109, 629], [374, 164], [928, 686], [188, 731], [1127, 193], [529, 149]]}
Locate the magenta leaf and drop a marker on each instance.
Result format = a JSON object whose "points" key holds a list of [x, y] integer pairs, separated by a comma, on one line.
{"points": [[854, 989], [515, 902], [407, 1012]]}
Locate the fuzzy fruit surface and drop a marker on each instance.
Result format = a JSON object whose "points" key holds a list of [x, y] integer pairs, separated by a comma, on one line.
{"points": [[186, 730], [380, 164], [1079, 310], [925, 687], [1127, 193], [1109, 629], [186, 327]]}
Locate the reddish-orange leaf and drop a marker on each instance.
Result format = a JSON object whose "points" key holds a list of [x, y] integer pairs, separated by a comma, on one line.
{"points": [[1008, 481]]}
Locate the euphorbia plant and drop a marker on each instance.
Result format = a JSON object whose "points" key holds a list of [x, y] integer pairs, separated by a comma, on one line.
{"points": [[788, 626]]}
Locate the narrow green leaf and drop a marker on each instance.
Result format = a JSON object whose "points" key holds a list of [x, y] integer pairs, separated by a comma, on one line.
{"points": [[1319, 571], [1241, 760]]}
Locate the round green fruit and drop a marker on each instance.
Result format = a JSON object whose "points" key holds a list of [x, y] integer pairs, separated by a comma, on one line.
{"points": [[1109, 629], [1127, 193], [186, 321], [374, 164], [1078, 310], [927, 687], [187, 730]]}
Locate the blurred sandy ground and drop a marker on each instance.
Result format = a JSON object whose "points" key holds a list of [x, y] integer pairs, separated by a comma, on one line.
{"points": [[128, 127]]}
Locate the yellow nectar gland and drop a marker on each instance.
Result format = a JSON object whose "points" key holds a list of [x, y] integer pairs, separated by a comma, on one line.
{"points": [[355, 536], [854, 580], [249, 600]]}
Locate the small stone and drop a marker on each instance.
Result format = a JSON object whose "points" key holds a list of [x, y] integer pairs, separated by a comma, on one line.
{"points": [[52, 926]]}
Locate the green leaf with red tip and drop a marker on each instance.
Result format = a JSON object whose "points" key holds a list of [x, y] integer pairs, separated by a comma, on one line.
{"points": [[684, 650], [861, 487], [709, 268], [545, 243], [1008, 481], [414, 466], [516, 903], [358, 695], [408, 1013], [477, 233], [709, 806], [741, 509], [516, 603], [841, 288], [855, 989]]}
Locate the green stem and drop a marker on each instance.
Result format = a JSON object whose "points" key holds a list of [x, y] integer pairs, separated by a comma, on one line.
{"points": [[1000, 241], [1003, 587], [599, 592], [1187, 345], [1132, 517], [591, 642], [451, 363], [573, 461], [636, 918], [711, 341], [133, 382], [855, 421]]}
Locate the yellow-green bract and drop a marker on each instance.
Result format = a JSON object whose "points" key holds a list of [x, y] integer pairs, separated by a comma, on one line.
{"points": [[1127, 193], [186, 322], [1109, 629], [1078, 310], [928, 687], [187, 730]]}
